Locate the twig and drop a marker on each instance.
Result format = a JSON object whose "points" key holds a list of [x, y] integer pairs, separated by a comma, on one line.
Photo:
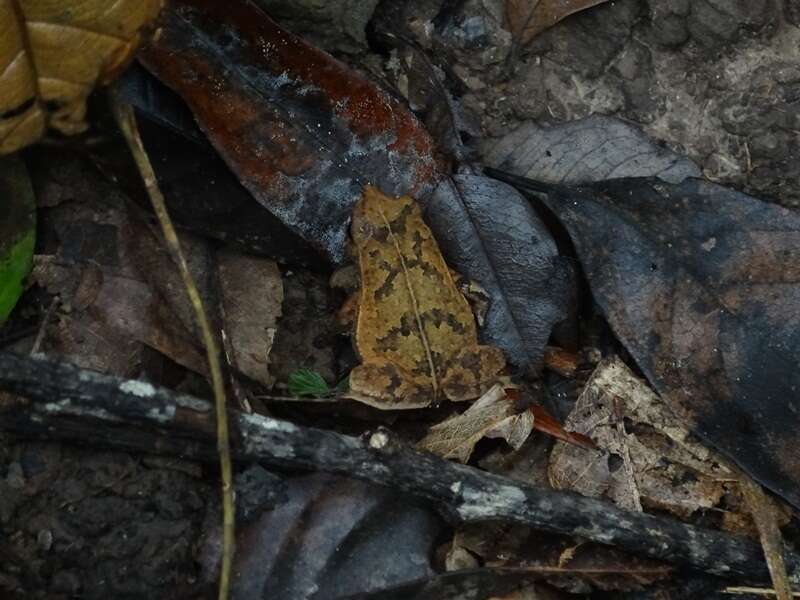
{"points": [[84, 406], [742, 589], [127, 124], [763, 514]]}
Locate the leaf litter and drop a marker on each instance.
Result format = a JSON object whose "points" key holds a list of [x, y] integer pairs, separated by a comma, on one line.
{"points": [[644, 455], [647, 457]]}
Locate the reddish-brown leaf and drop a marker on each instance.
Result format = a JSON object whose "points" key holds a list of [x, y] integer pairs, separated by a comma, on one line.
{"points": [[545, 423], [301, 130]]}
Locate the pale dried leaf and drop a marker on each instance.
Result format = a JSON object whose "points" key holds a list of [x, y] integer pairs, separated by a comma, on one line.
{"points": [[528, 18], [594, 148], [492, 415], [53, 53], [252, 296], [644, 453]]}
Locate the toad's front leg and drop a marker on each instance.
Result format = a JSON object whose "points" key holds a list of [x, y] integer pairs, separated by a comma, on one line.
{"points": [[386, 385]]}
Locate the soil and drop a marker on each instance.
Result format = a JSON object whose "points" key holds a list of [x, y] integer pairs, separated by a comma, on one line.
{"points": [[83, 523], [716, 80]]}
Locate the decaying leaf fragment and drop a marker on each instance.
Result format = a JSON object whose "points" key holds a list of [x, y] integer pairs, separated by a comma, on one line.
{"points": [[644, 456], [493, 415], [52, 53], [528, 18]]}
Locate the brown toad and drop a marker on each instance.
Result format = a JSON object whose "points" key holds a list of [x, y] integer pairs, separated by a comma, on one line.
{"points": [[415, 332]]}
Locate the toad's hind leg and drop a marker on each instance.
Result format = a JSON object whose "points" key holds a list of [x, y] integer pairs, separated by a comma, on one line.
{"points": [[383, 384], [472, 371]]}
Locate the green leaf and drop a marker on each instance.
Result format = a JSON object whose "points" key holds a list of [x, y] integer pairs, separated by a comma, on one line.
{"points": [[305, 382], [17, 231]]}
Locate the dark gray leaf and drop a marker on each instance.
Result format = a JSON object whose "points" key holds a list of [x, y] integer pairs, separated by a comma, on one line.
{"points": [[490, 234], [702, 285], [333, 537], [590, 149]]}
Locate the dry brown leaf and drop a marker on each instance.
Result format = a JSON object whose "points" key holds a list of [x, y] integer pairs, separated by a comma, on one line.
{"points": [[492, 415], [53, 52], [644, 455], [252, 296], [528, 18]]}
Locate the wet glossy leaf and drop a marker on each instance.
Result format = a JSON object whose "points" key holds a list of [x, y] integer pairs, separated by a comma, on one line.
{"points": [[302, 131], [492, 415], [51, 56], [702, 285], [17, 231]]}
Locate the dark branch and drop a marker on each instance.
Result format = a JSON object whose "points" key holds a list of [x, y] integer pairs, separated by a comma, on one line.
{"points": [[84, 406]]}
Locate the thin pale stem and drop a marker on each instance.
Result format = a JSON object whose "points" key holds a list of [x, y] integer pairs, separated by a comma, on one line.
{"points": [[127, 124]]}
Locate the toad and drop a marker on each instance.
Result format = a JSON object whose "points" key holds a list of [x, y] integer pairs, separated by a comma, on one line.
{"points": [[415, 332]]}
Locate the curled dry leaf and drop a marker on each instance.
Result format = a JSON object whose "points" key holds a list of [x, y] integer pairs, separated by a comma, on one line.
{"points": [[493, 415], [528, 18], [51, 56], [644, 455]]}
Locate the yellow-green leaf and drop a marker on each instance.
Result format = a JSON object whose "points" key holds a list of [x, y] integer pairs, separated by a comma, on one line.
{"points": [[17, 231]]}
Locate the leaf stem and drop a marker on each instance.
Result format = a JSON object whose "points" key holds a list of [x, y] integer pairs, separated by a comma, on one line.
{"points": [[127, 124]]}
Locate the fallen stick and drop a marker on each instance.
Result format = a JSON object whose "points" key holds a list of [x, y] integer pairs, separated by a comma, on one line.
{"points": [[83, 406]]}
